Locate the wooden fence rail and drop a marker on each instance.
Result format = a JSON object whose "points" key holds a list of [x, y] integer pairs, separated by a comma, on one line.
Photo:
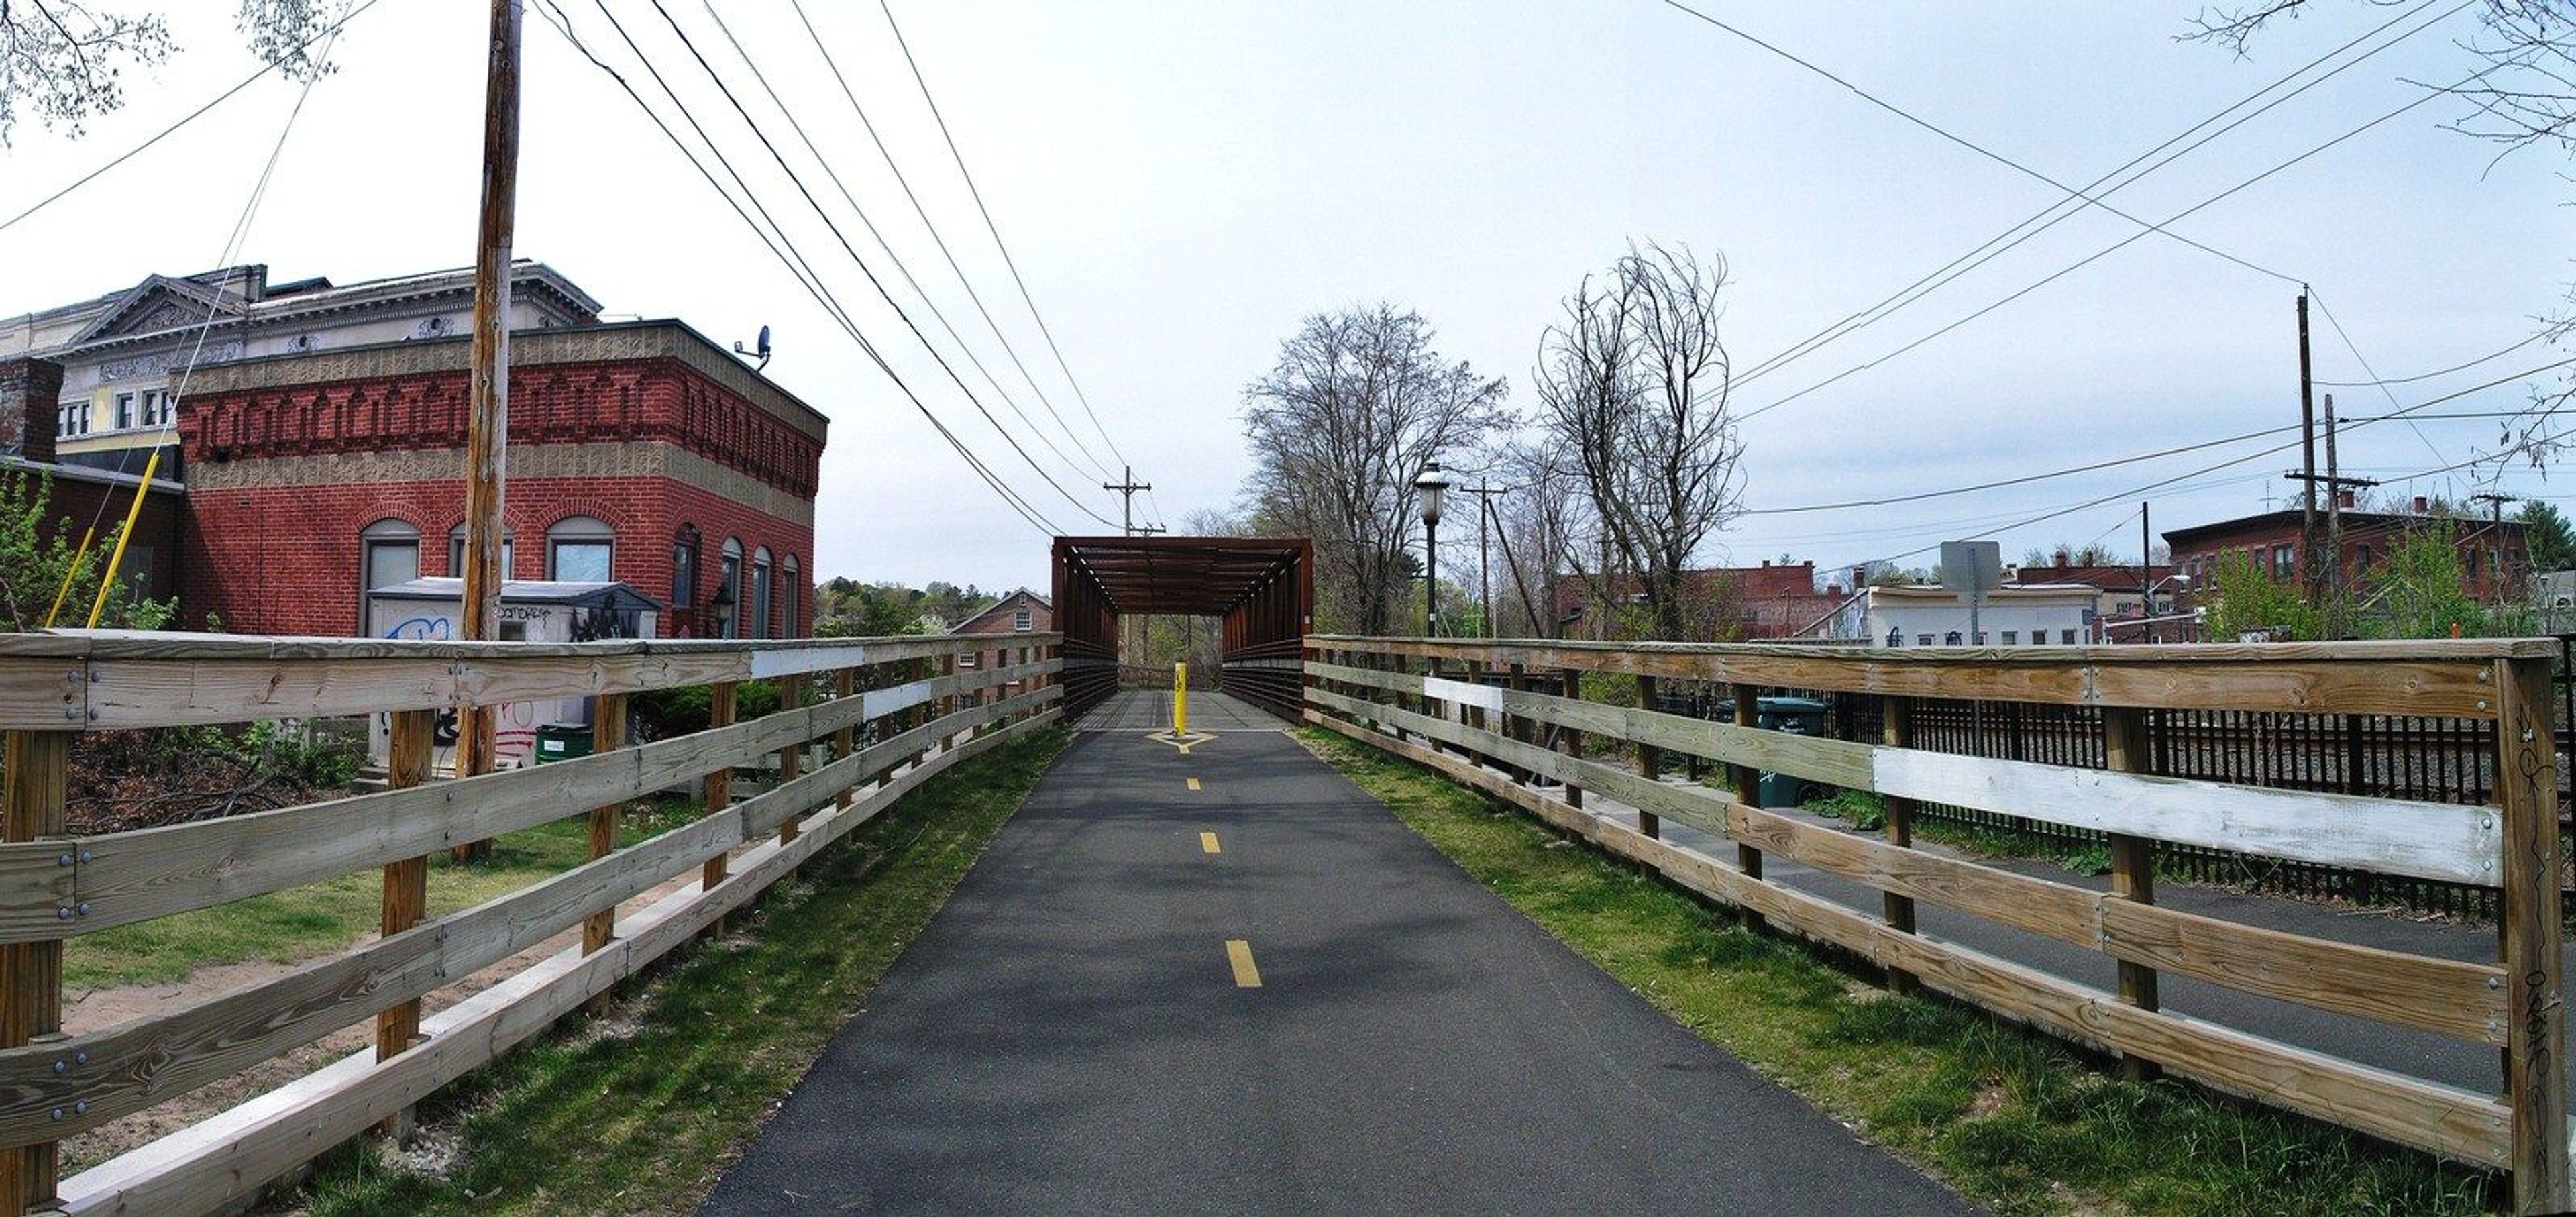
{"points": [[900, 710], [1435, 701]]}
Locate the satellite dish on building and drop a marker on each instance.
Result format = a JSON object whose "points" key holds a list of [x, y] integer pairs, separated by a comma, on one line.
{"points": [[761, 350]]}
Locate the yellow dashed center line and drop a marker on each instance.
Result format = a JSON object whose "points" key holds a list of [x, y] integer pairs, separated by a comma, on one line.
{"points": [[1194, 783], [1239, 953], [1207, 843]]}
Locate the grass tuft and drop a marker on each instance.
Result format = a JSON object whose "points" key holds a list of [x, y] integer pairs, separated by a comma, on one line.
{"points": [[2014, 1120]]}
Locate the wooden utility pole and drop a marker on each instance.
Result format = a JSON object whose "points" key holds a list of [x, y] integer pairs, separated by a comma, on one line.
{"points": [[487, 419], [2307, 463], [1485, 496], [2146, 578], [1127, 488], [2495, 540], [2335, 484]]}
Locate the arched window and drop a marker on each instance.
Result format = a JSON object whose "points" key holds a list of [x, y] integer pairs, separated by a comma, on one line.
{"points": [[729, 590], [388, 553], [456, 551], [579, 549], [684, 570], [791, 594], [760, 597]]}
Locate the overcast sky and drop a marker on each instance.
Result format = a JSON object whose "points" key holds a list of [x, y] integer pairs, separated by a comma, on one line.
{"points": [[1180, 183]]}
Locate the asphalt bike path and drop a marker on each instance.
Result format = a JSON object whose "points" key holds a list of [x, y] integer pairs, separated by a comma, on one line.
{"points": [[1228, 980]]}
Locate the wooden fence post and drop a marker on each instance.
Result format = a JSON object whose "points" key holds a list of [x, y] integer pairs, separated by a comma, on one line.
{"points": [[2133, 863], [1514, 726], [1748, 784], [845, 742], [411, 742], [791, 759], [607, 734], [38, 776], [721, 699], [1897, 731], [1569, 740], [2535, 1079], [1650, 762]]}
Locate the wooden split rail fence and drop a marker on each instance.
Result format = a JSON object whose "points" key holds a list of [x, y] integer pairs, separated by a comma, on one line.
{"points": [[1466, 708], [899, 710]]}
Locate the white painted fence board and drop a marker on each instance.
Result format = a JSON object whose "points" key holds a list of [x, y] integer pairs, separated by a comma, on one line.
{"points": [[2392, 836]]}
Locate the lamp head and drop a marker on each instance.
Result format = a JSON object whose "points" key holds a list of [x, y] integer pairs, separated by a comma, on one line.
{"points": [[1434, 487]]}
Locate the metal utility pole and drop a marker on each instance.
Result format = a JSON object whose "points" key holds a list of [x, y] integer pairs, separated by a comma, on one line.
{"points": [[1485, 496], [487, 420], [2307, 462], [2495, 539], [1127, 498]]}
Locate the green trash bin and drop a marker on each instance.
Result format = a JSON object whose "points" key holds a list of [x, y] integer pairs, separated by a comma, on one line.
{"points": [[562, 741], [1793, 716]]}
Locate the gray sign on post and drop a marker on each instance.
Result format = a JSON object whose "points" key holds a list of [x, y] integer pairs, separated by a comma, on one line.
{"points": [[1972, 568]]}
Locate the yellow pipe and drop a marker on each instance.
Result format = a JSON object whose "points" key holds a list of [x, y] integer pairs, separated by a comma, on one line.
{"points": [[118, 558], [70, 573], [1180, 699]]}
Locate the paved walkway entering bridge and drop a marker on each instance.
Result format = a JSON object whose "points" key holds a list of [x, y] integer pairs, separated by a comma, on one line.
{"points": [[1229, 981]]}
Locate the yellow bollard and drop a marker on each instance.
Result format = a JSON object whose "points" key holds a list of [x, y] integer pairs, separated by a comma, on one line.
{"points": [[1180, 700]]}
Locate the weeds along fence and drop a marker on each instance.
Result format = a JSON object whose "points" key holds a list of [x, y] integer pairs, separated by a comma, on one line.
{"points": [[862, 722], [1472, 711]]}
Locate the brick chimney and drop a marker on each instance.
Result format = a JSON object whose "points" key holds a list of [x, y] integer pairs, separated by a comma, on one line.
{"points": [[30, 403]]}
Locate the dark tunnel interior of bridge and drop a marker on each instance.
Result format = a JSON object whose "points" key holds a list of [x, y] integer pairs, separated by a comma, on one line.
{"points": [[1262, 590]]}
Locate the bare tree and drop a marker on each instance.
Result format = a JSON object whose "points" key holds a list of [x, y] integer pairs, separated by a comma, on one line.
{"points": [[65, 59], [1634, 388], [1358, 402]]}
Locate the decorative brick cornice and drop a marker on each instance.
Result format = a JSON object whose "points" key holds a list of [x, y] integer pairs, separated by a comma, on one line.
{"points": [[623, 341], [625, 459]]}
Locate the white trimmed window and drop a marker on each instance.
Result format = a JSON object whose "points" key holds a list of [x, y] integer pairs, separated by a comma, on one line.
{"points": [[580, 549], [73, 419]]}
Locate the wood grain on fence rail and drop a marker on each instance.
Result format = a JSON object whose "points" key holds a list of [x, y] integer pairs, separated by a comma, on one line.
{"points": [[2446, 1120], [122, 1069], [231, 1156], [2517, 1005]]}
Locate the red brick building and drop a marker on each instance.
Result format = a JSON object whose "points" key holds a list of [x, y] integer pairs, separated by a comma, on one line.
{"points": [[2493, 556], [638, 452], [1020, 612], [1773, 600]]}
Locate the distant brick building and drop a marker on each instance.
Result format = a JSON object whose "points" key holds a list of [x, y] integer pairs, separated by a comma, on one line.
{"points": [[2493, 556], [1773, 600], [1020, 612], [317, 470]]}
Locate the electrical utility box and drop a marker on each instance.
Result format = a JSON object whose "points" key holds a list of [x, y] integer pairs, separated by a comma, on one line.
{"points": [[531, 611]]}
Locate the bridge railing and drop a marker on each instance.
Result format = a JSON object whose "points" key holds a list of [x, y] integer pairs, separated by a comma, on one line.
{"points": [[861, 722], [1510, 718]]}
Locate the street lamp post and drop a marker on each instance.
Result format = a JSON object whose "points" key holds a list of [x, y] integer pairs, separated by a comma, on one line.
{"points": [[2147, 607], [1434, 487]]}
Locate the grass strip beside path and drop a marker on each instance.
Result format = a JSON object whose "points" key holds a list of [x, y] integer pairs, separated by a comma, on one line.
{"points": [[640, 1111], [2012, 1119]]}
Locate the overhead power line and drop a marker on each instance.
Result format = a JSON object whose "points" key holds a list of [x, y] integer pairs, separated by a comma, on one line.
{"points": [[887, 247], [2060, 210], [782, 248], [883, 294], [940, 241], [2231, 462], [995, 230], [330, 31], [2114, 247]]}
